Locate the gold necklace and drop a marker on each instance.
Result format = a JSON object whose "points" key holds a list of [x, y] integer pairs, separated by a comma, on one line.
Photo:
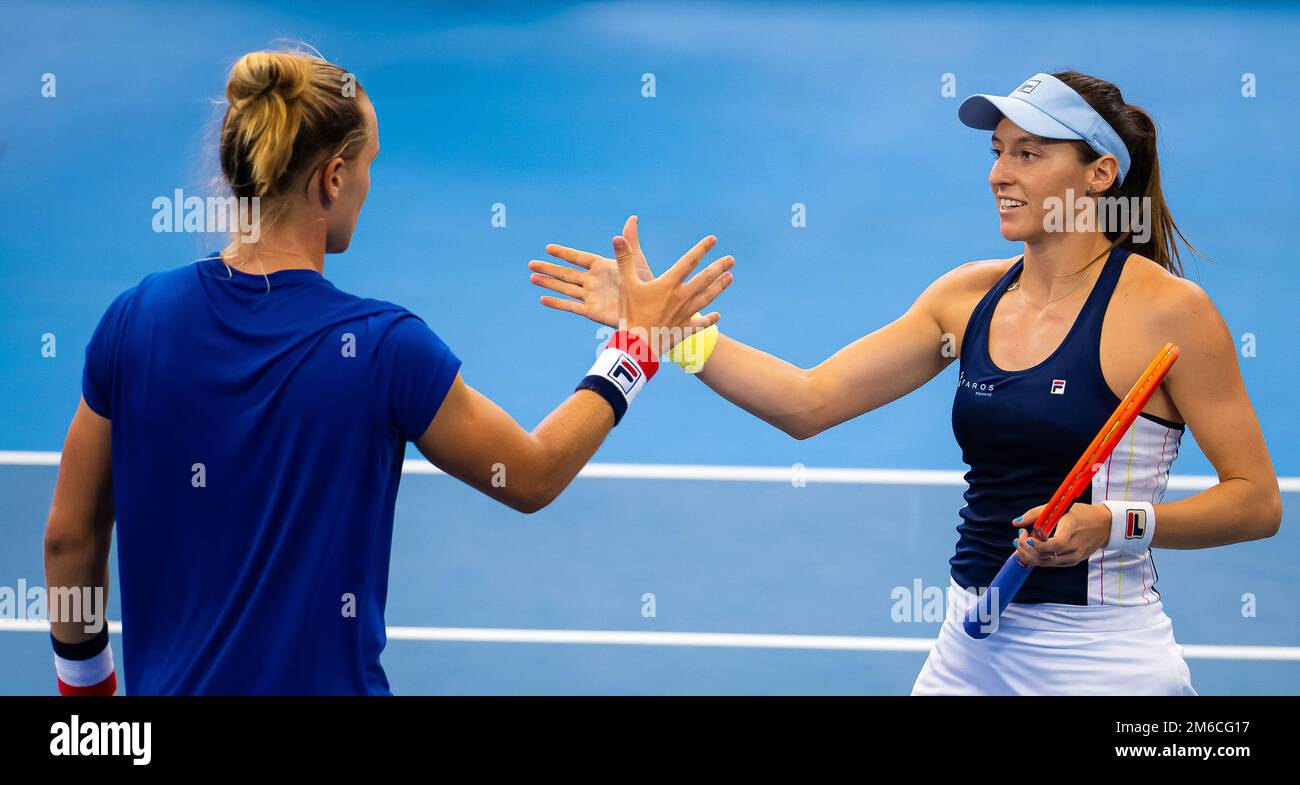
{"points": [[1015, 286]]}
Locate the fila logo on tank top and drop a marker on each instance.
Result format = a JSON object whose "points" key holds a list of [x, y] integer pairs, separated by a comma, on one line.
{"points": [[1020, 432]]}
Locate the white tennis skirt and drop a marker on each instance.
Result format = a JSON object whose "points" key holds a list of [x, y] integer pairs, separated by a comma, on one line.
{"points": [[1057, 649]]}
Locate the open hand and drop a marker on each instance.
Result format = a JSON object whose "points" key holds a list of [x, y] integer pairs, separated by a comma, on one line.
{"points": [[661, 311], [591, 286]]}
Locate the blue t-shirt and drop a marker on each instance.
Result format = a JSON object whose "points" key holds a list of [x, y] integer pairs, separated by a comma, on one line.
{"points": [[258, 437]]}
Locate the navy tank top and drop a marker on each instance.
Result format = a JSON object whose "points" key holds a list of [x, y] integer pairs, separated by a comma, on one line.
{"points": [[1021, 432]]}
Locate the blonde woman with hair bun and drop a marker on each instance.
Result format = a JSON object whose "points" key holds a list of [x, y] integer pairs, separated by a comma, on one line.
{"points": [[243, 421]]}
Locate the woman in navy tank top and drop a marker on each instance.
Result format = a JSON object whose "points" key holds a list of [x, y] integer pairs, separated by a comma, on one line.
{"points": [[1047, 343]]}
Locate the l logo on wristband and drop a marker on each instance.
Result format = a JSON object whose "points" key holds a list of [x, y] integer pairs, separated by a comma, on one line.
{"points": [[1135, 524]]}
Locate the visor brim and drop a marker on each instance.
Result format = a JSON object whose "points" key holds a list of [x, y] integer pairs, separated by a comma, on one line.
{"points": [[984, 112]]}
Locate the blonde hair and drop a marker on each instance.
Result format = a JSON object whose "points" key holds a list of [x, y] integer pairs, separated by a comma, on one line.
{"points": [[287, 113]]}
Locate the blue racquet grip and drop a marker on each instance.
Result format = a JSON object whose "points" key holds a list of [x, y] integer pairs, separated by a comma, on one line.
{"points": [[981, 620]]}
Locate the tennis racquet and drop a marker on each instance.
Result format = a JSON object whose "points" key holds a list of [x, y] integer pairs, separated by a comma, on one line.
{"points": [[982, 619]]}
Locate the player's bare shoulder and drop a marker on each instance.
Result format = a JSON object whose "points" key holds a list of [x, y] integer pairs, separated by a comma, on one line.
{"points": [[980, 275], [1153, 298], [953, 296]]}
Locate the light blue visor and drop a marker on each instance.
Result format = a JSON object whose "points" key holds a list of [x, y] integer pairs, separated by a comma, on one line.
{"points": [[1047, 107]]}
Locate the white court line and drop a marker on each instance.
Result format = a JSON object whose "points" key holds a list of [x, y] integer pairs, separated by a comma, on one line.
{"points": [[40, 625], [727, 640], [651, 471], [20, 458], [723, 640], [672, 471]]}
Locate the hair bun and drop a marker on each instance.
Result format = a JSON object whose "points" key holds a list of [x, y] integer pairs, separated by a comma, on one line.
{"points": [[286, 112], [259, 74]]}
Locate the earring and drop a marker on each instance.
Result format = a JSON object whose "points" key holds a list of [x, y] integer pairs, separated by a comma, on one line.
{"points": [[1090, 190]]}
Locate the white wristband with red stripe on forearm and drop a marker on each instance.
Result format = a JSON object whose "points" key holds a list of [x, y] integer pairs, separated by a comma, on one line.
{"points": [[620, 371], [85, 668]]}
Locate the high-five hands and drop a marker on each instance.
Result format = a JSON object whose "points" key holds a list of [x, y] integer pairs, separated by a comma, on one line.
{"points": [[610, 291]]}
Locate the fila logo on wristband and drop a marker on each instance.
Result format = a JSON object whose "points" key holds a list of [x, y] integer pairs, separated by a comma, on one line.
{"points": [[626, 373], [1132, 525], [620, 371]]}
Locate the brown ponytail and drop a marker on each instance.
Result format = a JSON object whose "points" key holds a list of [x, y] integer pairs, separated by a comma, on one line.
{"points": [[287, 113], [1138, 131]]}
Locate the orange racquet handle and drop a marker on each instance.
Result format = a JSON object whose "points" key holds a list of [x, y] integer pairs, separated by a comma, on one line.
{"points": [[1105, 442]]}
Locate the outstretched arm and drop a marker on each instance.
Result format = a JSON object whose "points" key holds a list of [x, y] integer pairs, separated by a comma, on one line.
{"points": [[474, 440], [870, 372]]}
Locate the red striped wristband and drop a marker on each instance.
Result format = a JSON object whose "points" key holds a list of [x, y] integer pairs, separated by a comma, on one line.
{"points": [[85, 668], [636, 347], [620, 371]]}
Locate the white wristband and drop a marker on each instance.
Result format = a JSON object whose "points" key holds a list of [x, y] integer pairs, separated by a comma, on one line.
{"points": [[1132, 525], [618, 376], [622, 369], [84, 673]]}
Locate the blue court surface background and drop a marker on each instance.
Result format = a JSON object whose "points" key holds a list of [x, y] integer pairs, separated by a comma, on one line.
{"points": [[757, 107]]}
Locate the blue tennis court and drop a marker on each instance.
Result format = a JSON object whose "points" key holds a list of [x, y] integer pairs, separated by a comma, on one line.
{"points": [[717, 555]]}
